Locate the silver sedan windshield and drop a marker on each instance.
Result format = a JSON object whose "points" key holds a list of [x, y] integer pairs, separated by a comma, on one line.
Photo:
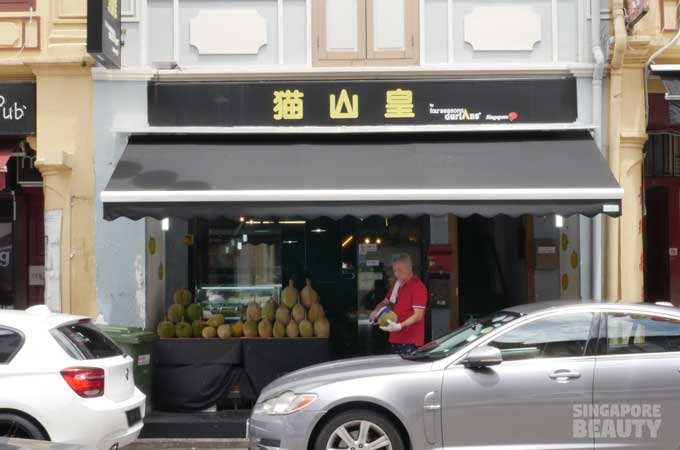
{"points": [[448, 344]]}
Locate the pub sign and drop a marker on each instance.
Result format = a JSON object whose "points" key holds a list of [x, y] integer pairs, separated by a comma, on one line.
{"points": [[17, 108]]}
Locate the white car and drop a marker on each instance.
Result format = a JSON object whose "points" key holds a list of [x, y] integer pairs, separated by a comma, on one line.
{"points": [[63, 380]]}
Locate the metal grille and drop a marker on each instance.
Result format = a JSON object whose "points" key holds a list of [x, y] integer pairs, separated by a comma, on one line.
{"points": [[662, 155]]}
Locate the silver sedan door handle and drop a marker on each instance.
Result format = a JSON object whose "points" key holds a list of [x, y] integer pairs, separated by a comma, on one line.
{"points": [[563, 376]]}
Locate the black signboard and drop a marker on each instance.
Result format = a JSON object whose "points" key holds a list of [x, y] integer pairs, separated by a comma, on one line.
{"points": [[17, 108], [104, 32], [362, 102]]}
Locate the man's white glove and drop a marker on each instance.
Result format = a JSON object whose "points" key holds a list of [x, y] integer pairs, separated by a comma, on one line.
{"points": [[391, 326]]}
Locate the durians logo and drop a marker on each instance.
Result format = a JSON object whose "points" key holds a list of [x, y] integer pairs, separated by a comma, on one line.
{"points": [[455, 114]]}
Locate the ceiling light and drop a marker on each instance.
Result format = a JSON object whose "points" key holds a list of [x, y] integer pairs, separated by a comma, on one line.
{"points": [[346, 242], [559, 221]]}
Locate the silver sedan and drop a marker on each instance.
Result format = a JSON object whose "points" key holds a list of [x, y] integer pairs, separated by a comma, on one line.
{"points": [[551, 375]]}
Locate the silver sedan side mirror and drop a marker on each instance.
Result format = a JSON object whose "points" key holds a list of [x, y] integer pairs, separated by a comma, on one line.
{"points": [[482, 357]]}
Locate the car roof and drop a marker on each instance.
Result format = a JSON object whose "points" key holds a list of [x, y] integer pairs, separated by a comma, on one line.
{"points": [[31, 319], [541, 306]]}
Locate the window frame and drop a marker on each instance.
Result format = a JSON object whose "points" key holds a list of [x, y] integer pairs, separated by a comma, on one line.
{"points": [[591, 341], [411, 36], [18, 349], [365, 55], [603, 346], [458, 359], [71, 349], [319, 27]]}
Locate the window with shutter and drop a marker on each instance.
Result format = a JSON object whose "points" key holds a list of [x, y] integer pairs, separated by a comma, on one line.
{"points": [[365, 32]]}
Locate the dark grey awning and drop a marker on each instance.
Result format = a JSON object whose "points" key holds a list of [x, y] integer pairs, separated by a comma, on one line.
{"points": [[339, 175]]}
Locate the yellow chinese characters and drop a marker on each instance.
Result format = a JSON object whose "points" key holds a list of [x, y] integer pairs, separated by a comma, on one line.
{"points": [[112, 7], [288, 105], [343, 108], [399, 104]]}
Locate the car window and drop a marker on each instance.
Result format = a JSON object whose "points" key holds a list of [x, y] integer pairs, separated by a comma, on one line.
{"points": [[641, 333], [10, 342], [83, 340], [463, 336], [557, 336]]}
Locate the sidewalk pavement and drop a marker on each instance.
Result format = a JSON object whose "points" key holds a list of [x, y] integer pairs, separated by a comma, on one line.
{"points": [[189, 444]]}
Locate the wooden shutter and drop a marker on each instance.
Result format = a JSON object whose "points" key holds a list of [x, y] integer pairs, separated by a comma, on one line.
{"points": [[392, 30], [344, 37]]}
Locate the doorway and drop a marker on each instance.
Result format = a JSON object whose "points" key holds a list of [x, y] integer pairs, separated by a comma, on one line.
{"points": [[492, 265], [662, 239]]}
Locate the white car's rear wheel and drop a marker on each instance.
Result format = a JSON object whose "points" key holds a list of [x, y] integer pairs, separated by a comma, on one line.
{"points": [[359, 430], [16, 426]]}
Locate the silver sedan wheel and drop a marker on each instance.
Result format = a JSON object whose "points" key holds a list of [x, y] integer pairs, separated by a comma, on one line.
{"points": [[359, 435]]}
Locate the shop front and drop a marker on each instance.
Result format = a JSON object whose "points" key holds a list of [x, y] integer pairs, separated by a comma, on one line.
{"points": [[21, 199], [259, 191]]}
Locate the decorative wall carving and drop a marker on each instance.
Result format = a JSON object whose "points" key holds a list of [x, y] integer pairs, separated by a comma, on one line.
{"points": [[228, 32], [129, 10], [69, 22], [515, 28], [19, 32]]}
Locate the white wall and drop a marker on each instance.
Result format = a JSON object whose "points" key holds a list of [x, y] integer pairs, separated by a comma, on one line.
{"points": [[524, 31], [120, 244]]}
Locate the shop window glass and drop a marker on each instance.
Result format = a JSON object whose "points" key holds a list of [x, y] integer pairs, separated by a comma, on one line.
{"points": [[242, 253], [638, 333], [559, 336]]}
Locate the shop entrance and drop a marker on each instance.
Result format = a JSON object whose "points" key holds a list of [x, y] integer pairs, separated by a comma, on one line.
{"points": [[491, 265], [22, 233], [662, 240], [661, 218]]}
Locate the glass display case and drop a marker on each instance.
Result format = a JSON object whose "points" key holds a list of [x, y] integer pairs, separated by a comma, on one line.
{"points": [[232, 301]]}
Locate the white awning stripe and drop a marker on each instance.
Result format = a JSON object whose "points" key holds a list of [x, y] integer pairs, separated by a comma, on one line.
{"points": [[365, 195]]}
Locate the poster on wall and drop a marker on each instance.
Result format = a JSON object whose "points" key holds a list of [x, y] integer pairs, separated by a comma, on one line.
{"points": [[104, 32], [53, 259]]}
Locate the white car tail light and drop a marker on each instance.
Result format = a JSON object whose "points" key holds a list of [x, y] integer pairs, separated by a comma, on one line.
{"points": [[87, 382]]}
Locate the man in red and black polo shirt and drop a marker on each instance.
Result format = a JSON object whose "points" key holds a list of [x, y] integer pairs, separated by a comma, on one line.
{"points": [[408, 299]]}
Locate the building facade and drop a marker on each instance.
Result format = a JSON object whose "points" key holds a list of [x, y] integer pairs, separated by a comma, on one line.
{"points": [[48, 180], [173, 45], [643, 143]]}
